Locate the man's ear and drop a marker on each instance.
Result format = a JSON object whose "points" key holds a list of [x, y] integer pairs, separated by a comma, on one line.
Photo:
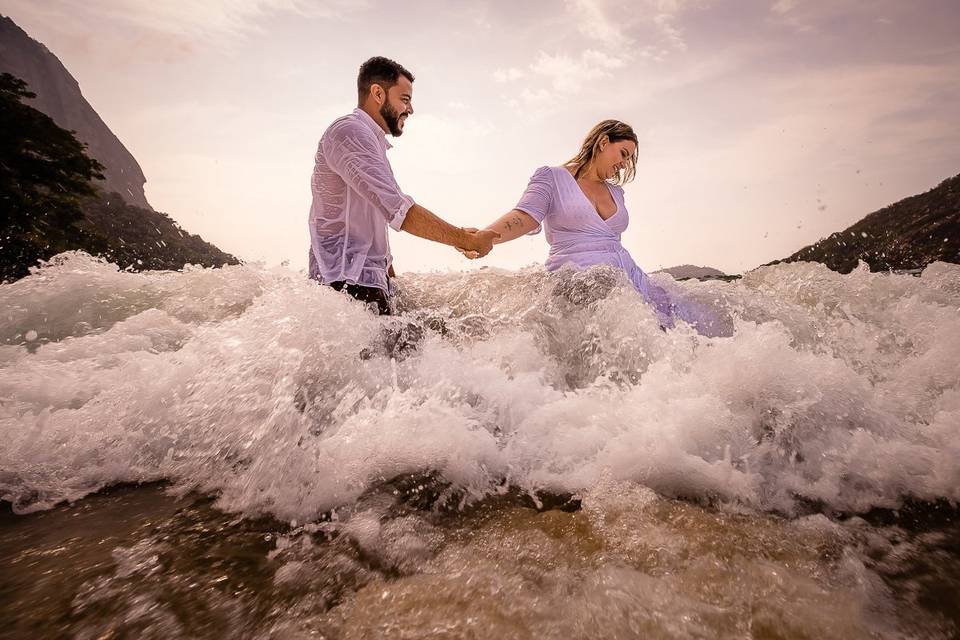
{"points": [[379, 95]]}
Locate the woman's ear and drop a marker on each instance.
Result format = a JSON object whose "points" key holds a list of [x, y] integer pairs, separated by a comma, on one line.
{"points": [[604, 141]]}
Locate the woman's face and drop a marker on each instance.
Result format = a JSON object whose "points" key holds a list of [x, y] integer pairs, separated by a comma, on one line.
{"points": [[612, 157]]}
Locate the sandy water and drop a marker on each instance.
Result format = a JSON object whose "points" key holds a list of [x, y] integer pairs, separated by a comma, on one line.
{"points": [[519, 455]]}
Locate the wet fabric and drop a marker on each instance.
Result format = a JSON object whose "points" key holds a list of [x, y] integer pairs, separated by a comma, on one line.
{"points": [[355, 199], [579, 237], [376, 298]]}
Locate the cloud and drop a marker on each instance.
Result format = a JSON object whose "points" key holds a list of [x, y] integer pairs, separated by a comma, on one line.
{"points": [[806, 16], [597, 37], [669, 31], [219, 20], [540, 98], [785, 12], [508, 75], [568, 74], [615, 30], [593, 22], [782, 7], [666, 15]]}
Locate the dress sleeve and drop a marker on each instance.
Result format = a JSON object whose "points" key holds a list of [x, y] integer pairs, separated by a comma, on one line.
{"points": [[354, 156], [538, 197]]}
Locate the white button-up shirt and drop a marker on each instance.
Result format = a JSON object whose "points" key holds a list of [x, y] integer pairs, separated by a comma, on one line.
{"points": [[355, 198]]}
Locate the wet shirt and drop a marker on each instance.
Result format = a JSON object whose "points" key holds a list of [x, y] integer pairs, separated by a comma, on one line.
{"points": [[579, 237], [355, 199]]}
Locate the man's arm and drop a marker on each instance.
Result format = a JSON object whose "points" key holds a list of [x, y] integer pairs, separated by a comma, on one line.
{"points": [[509, 226], [424, 224], [353, 155]]}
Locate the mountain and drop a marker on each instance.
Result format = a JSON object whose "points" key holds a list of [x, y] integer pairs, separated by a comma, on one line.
{"points": [[909, 234], [51, 204], [53, 196], [59, 96], [686, 271], [137, 238]]}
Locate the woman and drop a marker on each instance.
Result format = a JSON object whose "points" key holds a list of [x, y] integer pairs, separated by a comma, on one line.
{"points": [[580, 206]]}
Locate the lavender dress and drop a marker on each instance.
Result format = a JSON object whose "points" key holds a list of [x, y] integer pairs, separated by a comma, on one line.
{"points": [[578, 236]]}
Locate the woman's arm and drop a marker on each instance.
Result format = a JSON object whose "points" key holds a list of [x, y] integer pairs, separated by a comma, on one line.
{"points": [[425, 224], [510, 226]]}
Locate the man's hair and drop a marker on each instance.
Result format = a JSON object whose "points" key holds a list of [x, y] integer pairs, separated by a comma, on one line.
{"points": [[382, 71]]}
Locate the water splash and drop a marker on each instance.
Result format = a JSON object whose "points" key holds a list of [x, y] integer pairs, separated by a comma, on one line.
{"points": [[281, 397]]}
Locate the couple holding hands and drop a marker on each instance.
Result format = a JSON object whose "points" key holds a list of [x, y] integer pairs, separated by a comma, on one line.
{"points": [[355, 198]]}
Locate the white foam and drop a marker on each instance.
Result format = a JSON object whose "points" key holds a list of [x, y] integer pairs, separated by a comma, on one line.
{"points": [[841, 389]]}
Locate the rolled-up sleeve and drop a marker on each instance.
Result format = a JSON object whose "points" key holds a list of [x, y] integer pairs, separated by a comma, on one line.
{"points": [[354, 155], [536, 200]]}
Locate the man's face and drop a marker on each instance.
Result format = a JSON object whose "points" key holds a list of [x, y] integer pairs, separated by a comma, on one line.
{"points": [[398, 106]]}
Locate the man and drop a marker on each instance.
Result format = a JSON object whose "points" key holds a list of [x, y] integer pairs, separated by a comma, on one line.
{"points": [[356, 197]]}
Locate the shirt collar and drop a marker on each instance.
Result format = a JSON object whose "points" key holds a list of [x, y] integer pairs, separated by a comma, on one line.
{"points": [[370, 122]]}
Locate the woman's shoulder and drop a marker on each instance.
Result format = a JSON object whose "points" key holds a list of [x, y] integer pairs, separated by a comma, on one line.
{"points": [[545, 173], [545, 170]]}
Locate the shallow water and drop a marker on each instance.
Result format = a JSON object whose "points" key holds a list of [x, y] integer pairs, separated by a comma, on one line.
{"points": [[328, 473]]}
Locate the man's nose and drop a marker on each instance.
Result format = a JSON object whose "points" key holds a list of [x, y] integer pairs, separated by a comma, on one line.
{"points": [[410, 109]]}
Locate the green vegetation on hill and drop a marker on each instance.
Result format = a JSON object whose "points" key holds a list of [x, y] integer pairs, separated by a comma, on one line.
{"points": [[59, 96], [44, 173], [131, 236], [49, 204]]}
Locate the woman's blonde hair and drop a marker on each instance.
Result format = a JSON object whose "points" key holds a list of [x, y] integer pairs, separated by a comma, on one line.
{"points": [[614, 131]]}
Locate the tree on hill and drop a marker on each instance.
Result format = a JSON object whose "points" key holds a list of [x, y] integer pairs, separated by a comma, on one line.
{"points": [[49, 203], [44, 173], [137, 238]]}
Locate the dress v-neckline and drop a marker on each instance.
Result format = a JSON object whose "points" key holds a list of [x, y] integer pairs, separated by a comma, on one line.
{"points": [[616, 204]]}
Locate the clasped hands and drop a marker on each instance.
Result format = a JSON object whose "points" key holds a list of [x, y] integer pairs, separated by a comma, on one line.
{"points": [[480, 242]]}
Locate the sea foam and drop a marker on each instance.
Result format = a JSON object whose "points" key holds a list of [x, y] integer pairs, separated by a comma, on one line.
{"points": [[286, 398]]}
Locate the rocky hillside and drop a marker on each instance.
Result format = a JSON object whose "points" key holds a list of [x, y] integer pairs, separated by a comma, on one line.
{"points": [[51, 204], [137, 238], [909, 234], [58, 95], [66, 181]]}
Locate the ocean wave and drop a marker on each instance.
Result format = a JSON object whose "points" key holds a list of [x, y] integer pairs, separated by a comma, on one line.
{"points": [[286, 398]]}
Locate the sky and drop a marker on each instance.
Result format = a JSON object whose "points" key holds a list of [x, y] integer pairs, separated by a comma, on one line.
{"points": [[763, 125]]}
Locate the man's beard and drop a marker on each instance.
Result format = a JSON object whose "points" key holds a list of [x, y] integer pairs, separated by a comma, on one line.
{"points": [[392, 117]]}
